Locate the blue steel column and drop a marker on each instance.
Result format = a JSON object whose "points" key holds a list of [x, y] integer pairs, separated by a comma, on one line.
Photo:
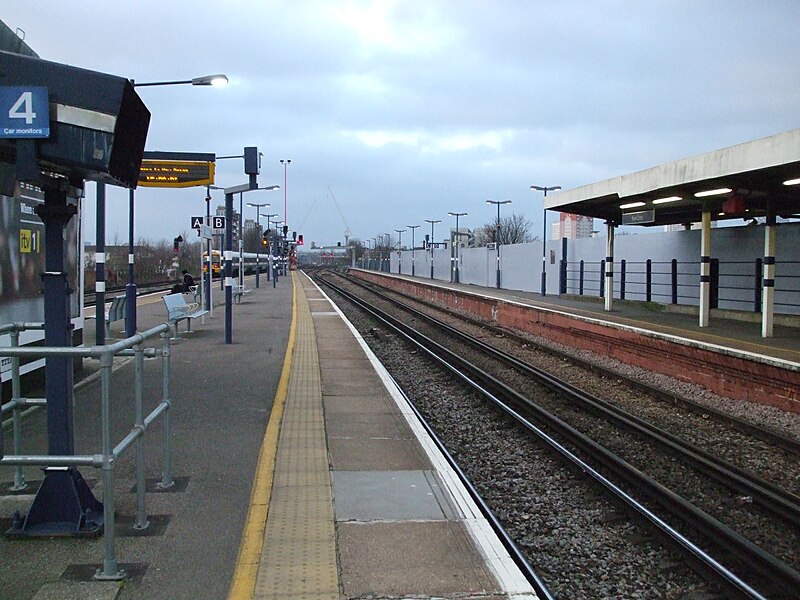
{"points": [[228, 268], [130, 288], [209, 276], [100, 267], [55, 213]]}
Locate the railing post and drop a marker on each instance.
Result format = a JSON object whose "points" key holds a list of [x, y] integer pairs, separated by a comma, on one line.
{"points": [[757, 280], [166, 475], [141, 510], [674, 280], [649, 279], [16, 393], [111, 570], [622, 267], [580, 279]]}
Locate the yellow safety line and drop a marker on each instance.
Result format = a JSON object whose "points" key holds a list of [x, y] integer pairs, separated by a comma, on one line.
{"points": [[244, 578]]}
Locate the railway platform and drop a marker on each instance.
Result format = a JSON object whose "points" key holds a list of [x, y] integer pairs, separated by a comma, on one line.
{"points": [[300, 473], [730, 357]]}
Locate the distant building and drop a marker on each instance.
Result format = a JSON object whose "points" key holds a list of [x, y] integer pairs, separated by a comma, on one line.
{"points": [[462, 237], [573, 227]]}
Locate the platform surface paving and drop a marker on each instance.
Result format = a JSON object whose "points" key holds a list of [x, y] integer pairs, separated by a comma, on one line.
{"points": [[372, 516]]}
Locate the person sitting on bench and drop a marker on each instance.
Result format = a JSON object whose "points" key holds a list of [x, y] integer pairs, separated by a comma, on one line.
{"points": [[188, 282]]}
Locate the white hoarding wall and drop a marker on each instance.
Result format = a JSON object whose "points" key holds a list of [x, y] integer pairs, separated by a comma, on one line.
{"points": [[736, 248]]}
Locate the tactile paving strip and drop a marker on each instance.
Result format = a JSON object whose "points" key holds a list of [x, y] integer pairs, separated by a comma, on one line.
{"points": [[299, 554]]}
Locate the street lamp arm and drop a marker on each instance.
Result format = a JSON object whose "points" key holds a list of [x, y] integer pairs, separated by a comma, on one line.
{"points": [[218, 79], [545, 188]]}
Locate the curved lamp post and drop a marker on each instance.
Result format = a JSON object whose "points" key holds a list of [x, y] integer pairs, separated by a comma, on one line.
{"points": [[497, 234], [545, 189], [130, 288]]}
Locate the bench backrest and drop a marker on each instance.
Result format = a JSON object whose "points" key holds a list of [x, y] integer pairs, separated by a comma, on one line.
{"points": [[116, 311], [176, 306]]}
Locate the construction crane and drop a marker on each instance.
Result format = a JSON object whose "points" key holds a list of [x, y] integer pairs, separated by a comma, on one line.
{"points": [[338, 209], [341, 214]]}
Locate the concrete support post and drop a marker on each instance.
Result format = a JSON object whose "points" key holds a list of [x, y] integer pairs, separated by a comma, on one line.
{"points": [[705, 270], [768, 286], [609, 275]]}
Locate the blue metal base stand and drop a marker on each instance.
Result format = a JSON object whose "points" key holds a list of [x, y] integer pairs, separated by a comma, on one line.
{"points": [[64, 506]]}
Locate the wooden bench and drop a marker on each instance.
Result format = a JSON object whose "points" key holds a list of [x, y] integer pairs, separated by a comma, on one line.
{"points": [[179, 310], [115, 312]]}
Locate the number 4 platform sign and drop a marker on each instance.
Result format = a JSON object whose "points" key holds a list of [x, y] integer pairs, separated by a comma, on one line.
{"points": [[24, 112]]}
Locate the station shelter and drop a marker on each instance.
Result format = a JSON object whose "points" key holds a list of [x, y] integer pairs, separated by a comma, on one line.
{"points": [[757, 180]]}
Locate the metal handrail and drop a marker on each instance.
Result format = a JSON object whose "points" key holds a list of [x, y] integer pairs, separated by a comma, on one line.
{"points": [[106, 459]]}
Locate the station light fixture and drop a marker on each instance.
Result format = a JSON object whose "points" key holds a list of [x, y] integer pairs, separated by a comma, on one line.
{"points": [[667, 200], [631, 205], [792, 181], [717, 192]]}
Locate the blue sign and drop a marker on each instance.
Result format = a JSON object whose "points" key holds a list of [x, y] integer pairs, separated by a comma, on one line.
{"points": [[24, 112]]}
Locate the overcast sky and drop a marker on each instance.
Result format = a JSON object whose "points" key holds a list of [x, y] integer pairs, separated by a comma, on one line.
{"points": [[403, 111]]}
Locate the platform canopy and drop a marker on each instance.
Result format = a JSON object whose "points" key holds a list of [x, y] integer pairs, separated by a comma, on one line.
{"points": [[754, 173]]}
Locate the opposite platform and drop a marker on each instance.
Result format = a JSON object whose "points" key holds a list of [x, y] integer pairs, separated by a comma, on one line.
{"points": [[362, 503]]}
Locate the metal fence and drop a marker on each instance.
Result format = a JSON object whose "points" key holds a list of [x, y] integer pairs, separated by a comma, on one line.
{"points": [[107, 457], [735, 285]]}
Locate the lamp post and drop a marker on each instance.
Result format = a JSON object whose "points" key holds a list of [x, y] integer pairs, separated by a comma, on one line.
{"points": [[432, 222], [269, 249], [455, 270], [399, 250], [285, 162], [258, 208], [130, 287], [545, 189], [413, 249], [497, 234], [273, 251], [241, 233]]}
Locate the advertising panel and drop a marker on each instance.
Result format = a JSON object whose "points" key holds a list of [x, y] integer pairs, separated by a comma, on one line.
{"points": [[22, 262]]}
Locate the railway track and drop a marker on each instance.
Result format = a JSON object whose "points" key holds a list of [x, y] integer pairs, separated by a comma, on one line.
{"points": [[770, 573], [769, 435]]}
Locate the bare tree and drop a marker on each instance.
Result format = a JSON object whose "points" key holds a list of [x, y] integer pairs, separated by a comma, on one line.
{"points": [[511, 230]]}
